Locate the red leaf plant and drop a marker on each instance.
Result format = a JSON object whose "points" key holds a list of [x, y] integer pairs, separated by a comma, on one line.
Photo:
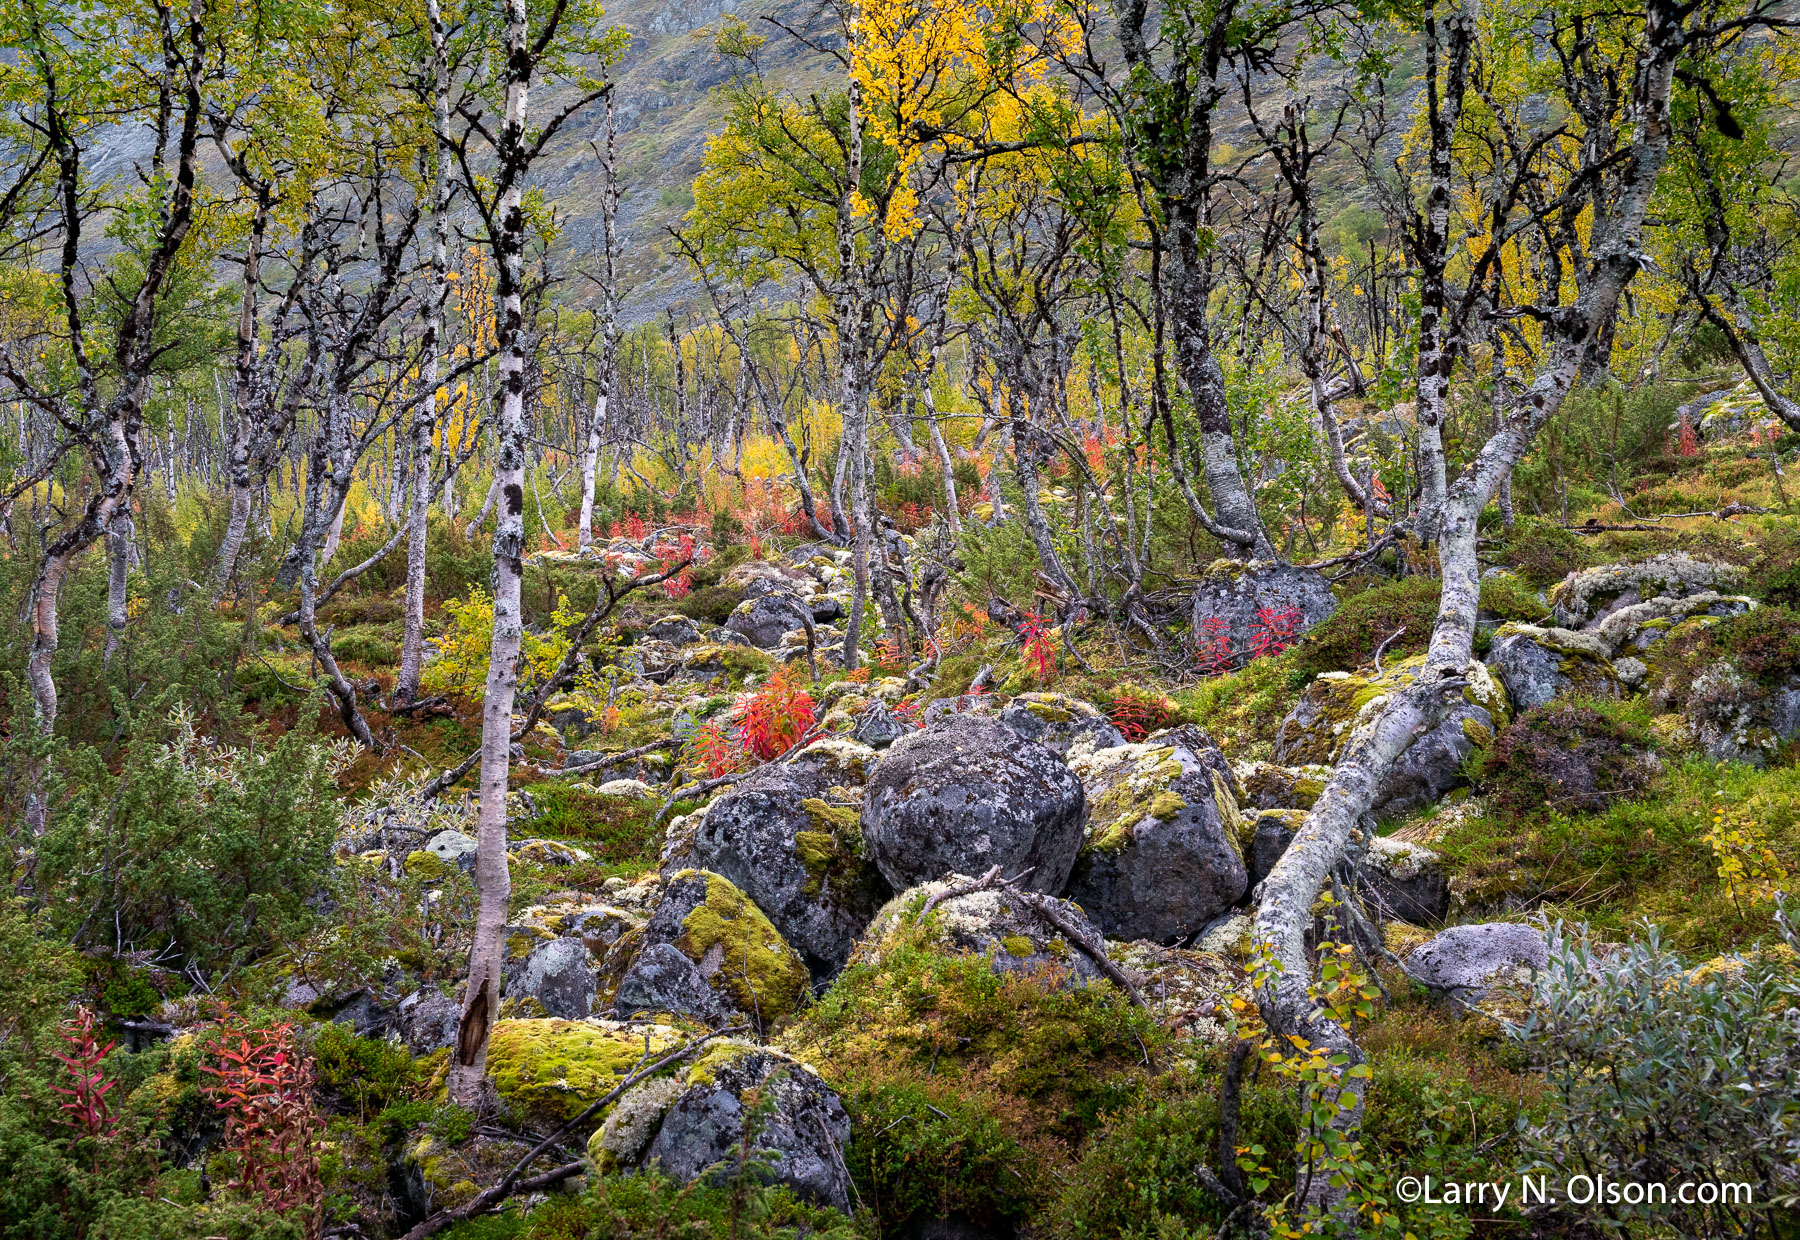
{"points": [[1212, 646], [777, 715], [1137, 713], [1687, 443], [272, 1124], [1040, 651], [713, 751], [87, 1110], [1274, 631]]}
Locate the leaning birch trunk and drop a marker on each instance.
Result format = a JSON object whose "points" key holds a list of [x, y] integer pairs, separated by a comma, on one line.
{"points": [[493, 880], [1285, 899]]}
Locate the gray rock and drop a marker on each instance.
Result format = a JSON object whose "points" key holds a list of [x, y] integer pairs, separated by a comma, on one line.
{"points": [[1465, 961], [561, 975], [825, 609], [1404, 882], [1272, 831], [1590, 595], [763, 621], [1014, 938], [582, 757], [877, 727], [795, 1131], [362, 1010], [1535, 674], [1336, 703], [780, 838], [741, 956], [1159, 861], [676, 630], [1234, 593], [429, 1021], [661, 979], [967, 794], [1061, 724], [453, 848]]}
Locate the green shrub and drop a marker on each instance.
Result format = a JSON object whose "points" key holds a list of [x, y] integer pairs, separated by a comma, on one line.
{"points": [[924, 1149], [1661, 1072], [614, 829], [651, 1207], [372, 649], [210, 850], [362, 1076], [713, 604], [1544, 552]]}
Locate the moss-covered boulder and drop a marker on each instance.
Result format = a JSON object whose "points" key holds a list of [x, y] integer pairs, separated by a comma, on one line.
{"points": [[739, 953], [1267, 785], [738, 1108], [1163, 853], [548, 1070], [1319, 727], [992, 924], [790, 837]]}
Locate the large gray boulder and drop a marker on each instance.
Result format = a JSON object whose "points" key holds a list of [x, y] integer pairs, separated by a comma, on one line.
{"points": [[676, 631], [967, 794], [741, 1097], [1234, 594], [661, 979], [1537, 669], [741, 956], [791, 838], [561, 974], [763, 621], [1162, 855], [1466, 961]]}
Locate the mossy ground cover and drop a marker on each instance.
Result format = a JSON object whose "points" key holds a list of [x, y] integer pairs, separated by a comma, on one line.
{"points": [[1642, 857]]}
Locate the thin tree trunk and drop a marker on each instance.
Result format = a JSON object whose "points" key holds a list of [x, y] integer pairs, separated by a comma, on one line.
{"points": [[118, 556], [493, 880]]}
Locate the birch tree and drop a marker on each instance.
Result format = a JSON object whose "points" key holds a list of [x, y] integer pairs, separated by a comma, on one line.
{"points": [[524, 49]]}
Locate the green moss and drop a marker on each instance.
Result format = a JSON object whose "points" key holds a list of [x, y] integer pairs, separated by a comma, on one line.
{"points": [[1477, 735], [425, 867], [1167, 805], [1138, 788], [758, 971], [550, 1070], [1018, 945]]}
